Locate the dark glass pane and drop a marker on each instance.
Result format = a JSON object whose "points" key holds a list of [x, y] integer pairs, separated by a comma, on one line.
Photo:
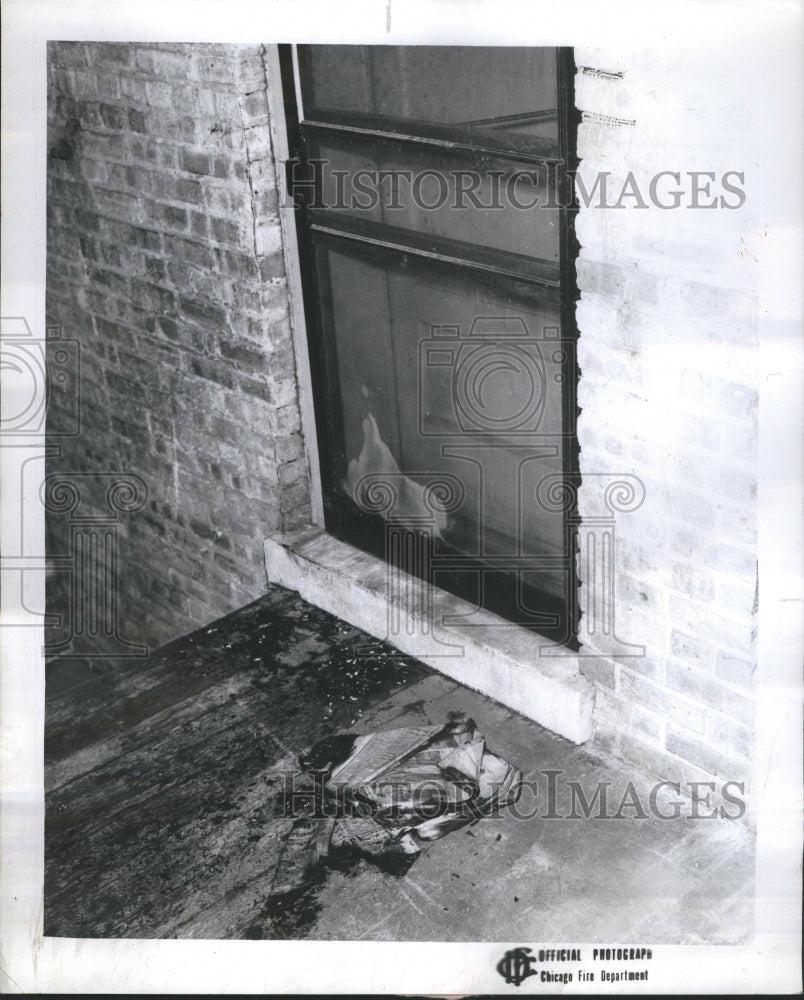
{"points": [[483, 200], [501, 89], [443, 378]]}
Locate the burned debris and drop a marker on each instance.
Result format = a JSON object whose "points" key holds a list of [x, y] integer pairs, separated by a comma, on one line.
{"points": [[384, 796]]}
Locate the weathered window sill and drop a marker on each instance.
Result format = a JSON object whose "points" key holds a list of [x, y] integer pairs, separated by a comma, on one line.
{"points": [[511, 664]]}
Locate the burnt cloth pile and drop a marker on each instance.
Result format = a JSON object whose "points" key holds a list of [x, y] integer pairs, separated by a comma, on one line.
{"points": [[383, 796]]}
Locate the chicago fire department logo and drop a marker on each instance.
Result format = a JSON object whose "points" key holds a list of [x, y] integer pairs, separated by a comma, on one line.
{"points": [[515, 965]]}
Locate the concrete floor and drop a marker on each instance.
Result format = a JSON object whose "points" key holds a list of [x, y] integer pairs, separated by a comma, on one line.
{"points": [[158, 807]]}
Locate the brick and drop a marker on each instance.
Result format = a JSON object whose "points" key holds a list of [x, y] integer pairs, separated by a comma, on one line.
{"points": [[165, 124], [238, 200], [729, 767], [730, 735], [215, 66], [213, 371], [225, 563], [134, 432], [697, 299], [117, 55], [155, 268], [715, 477], [709, 692], [645, 666], [256, 387], [220, 167], [109, 146], [254, 107], [683, 712], [67, 191], [298, 517], [718, 394], [108, 86], [109, 281], [739, 596], [110, 254], [237, 265], [700, 512], [89, 247], [189, 251], [112, 116], [217, 199], [205, 313], [243, 354], [173, 216], [289, 447], [144, 149], [727, 558], [199, 224], [260, 154], [251, 72], [202, 530], [288, 420], [694, 618], [167, 65], [693, 581], [137, 236], [161, 95], [189, 191], [701, 431], [122, 177], [67, 53], [271, 267], [136, 120], [643, 595], [294, 496], [202, 286], [195, 162], [117, 203], [692, 650], [225, 231], [291, 472], [645, 726], [735, 670], [600, 670], [152, 298]]}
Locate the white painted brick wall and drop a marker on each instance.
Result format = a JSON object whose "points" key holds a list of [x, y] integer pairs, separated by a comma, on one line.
{"points": [[668, 351]]}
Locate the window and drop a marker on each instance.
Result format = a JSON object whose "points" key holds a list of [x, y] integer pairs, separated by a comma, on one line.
{"points": [[433, 208]]}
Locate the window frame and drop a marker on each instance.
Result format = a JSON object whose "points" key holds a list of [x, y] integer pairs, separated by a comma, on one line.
{"points": [[502, 269]]}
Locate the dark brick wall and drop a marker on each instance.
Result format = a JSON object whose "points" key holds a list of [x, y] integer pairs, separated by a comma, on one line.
{"points": [[164, 262]]}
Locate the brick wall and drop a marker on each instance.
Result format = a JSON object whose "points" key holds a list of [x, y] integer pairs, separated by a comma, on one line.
{"points": [[165, 264], [668, 349]]}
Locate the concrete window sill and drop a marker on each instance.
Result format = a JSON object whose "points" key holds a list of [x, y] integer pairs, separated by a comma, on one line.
{"points": [[513, 665]]}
